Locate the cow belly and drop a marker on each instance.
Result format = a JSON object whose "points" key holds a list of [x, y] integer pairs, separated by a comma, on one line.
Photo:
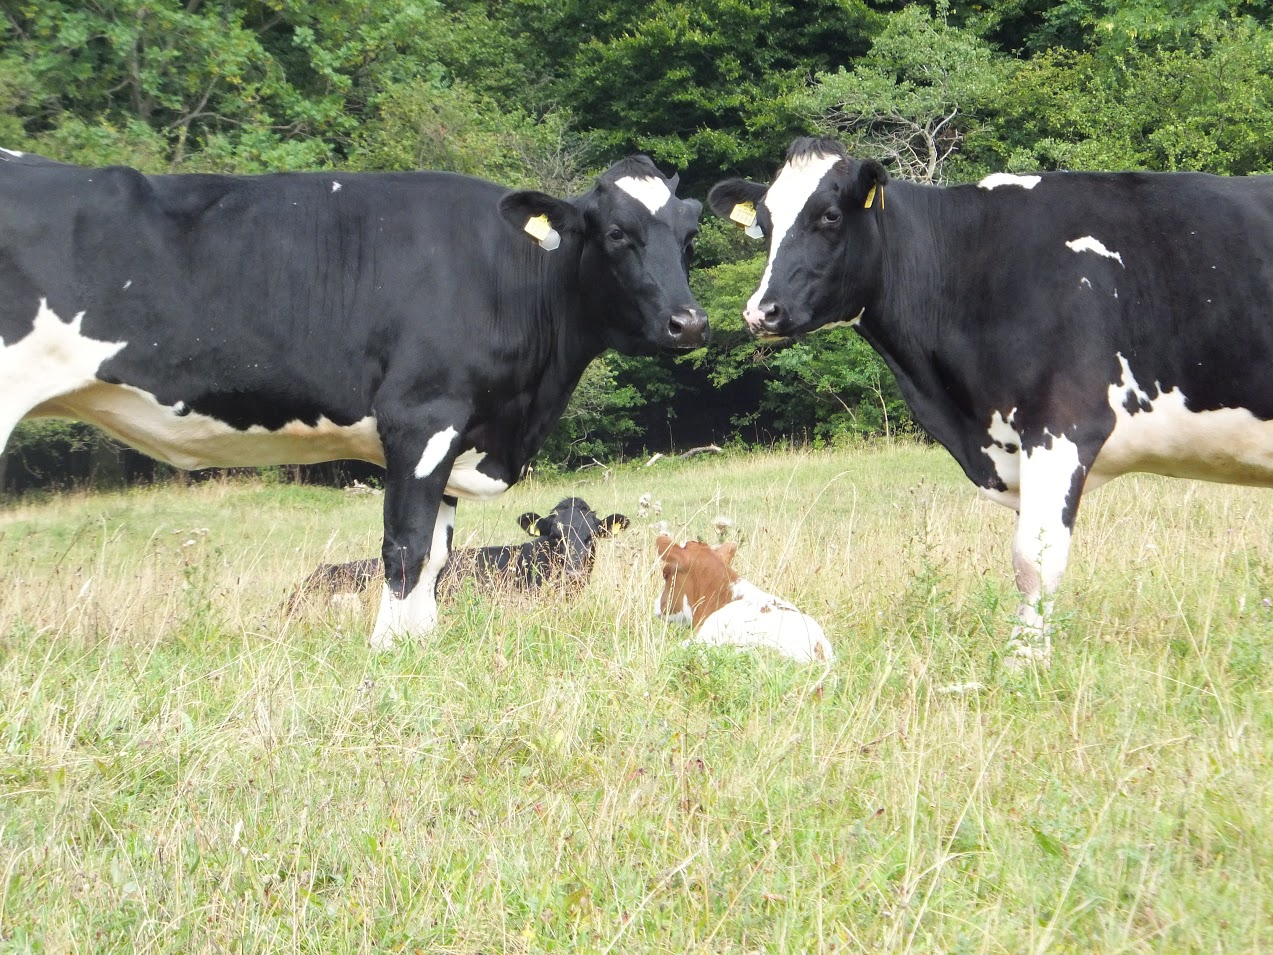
{"points": [[1229, 445], [190, 441]]}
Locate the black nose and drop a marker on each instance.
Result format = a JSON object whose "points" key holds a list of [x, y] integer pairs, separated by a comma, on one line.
{"points": [[688, 328]]}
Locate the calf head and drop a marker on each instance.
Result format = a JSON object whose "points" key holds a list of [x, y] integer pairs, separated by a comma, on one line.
{"points": [[822, 219], [634, 239], [570, 531], [697, 580]]}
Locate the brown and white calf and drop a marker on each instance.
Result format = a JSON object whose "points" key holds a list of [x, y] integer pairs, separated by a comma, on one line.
{"points": [[701, 588]]}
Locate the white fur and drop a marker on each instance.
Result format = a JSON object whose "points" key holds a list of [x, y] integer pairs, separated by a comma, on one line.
{"points": [[650, 192], [12, 152], [54, 358], [1230, 445], [997, 179], [1041, 545], [435, 451], [757, 619], [416, 615], [1088, 244], [468, 482], [796, 182], [1007, 463]]}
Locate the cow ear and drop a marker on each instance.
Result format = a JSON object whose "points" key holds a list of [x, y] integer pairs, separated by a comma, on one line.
{"points": [[868, 190], [664, 544], [736, 200], [607, 525], [726, 552], [542, 217], [528, 522]]}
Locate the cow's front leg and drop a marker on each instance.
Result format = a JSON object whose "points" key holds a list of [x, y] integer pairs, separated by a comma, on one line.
{"points": [[419, 519], [1051, 485]]}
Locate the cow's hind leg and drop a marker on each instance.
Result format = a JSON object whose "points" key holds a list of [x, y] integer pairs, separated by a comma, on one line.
{"points": [[1052, 477], [419, 519]]}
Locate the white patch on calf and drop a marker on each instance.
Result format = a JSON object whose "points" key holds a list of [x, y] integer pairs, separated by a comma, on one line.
{"points": [[650, 191], [997, 179], [758, 619], [1230, 445], [54, 358], [336, 187], [1088, 244], [435, 451], [787, 196], [468, 482]]}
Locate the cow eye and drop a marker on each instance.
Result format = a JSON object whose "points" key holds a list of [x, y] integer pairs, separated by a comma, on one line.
{"points": [[617, 235], [831, 217]]}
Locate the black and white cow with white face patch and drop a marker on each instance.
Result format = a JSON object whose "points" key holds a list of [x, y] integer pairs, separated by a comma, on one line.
{"points": [[1052, 331], [406, 319]]}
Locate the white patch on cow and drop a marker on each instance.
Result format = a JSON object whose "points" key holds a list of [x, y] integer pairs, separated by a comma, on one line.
{"points": [[1007, 462], [997, 179], [468, 482], [1229, 445], [755, 618], [12, 152], [650, 191], [1084, 281], [1041, 545], [336, 187], [128, 285], [435, 451], [54, 358], [796, 182], [416, 615], [190, 441], [1088, 244]]}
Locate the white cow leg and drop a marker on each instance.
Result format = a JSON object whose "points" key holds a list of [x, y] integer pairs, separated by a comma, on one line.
{"points": [[416, 615], [1041, 545]]}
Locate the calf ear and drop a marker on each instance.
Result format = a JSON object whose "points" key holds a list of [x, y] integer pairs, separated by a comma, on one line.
{"points": [[868, 191], [607, 525], [528, 522], [523, 211], [735, 200], [726, 552], [664, 544]]}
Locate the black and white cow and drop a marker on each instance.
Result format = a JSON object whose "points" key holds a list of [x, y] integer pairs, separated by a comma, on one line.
{"points": [[562, 550], [1052, 331], [406, 319]]}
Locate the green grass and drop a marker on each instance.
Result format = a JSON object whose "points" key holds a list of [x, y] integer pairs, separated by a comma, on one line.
{"points": [[185, 769]]}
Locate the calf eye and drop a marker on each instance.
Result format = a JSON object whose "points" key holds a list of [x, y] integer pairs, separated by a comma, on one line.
{"points": [[831, 217], [617, 235]]}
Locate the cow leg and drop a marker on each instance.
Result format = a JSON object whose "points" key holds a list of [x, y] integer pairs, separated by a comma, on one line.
{"points": [[419, 518], [1051, 485]]}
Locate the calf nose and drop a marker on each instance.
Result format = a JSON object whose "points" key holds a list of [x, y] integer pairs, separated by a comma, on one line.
{"points": [[688, 327], [763, 317]]}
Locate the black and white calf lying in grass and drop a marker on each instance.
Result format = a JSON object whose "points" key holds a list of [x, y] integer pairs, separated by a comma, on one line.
{"points": [[561, 552]]}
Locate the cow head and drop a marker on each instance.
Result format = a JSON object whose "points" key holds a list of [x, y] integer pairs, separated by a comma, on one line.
{"points": [[698, 579], [634, 239], [571, 528], [821, 217]]}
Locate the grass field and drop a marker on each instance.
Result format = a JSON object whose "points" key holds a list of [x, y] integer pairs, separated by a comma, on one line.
{"points": [[185, 769]]}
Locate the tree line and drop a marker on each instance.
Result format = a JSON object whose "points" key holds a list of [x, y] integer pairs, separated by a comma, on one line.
{"points": [[545, 93]]}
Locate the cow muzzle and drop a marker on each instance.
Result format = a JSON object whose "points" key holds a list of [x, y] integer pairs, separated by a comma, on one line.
{"points": [[765, 320], [688, 328]]}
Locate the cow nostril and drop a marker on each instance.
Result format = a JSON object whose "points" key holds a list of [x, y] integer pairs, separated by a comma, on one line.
{"points": [[675, 326]]}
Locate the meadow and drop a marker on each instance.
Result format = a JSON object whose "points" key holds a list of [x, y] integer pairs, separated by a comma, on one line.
{"points": [[185, 767]]}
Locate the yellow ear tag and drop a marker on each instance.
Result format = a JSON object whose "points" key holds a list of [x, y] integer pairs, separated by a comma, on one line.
{"points": [[538, 227], [870, 198], [744, 213]]}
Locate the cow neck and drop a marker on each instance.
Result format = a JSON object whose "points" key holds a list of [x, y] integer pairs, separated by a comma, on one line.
{"points": [[916, 322], [709, 585], [569, 337]]}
